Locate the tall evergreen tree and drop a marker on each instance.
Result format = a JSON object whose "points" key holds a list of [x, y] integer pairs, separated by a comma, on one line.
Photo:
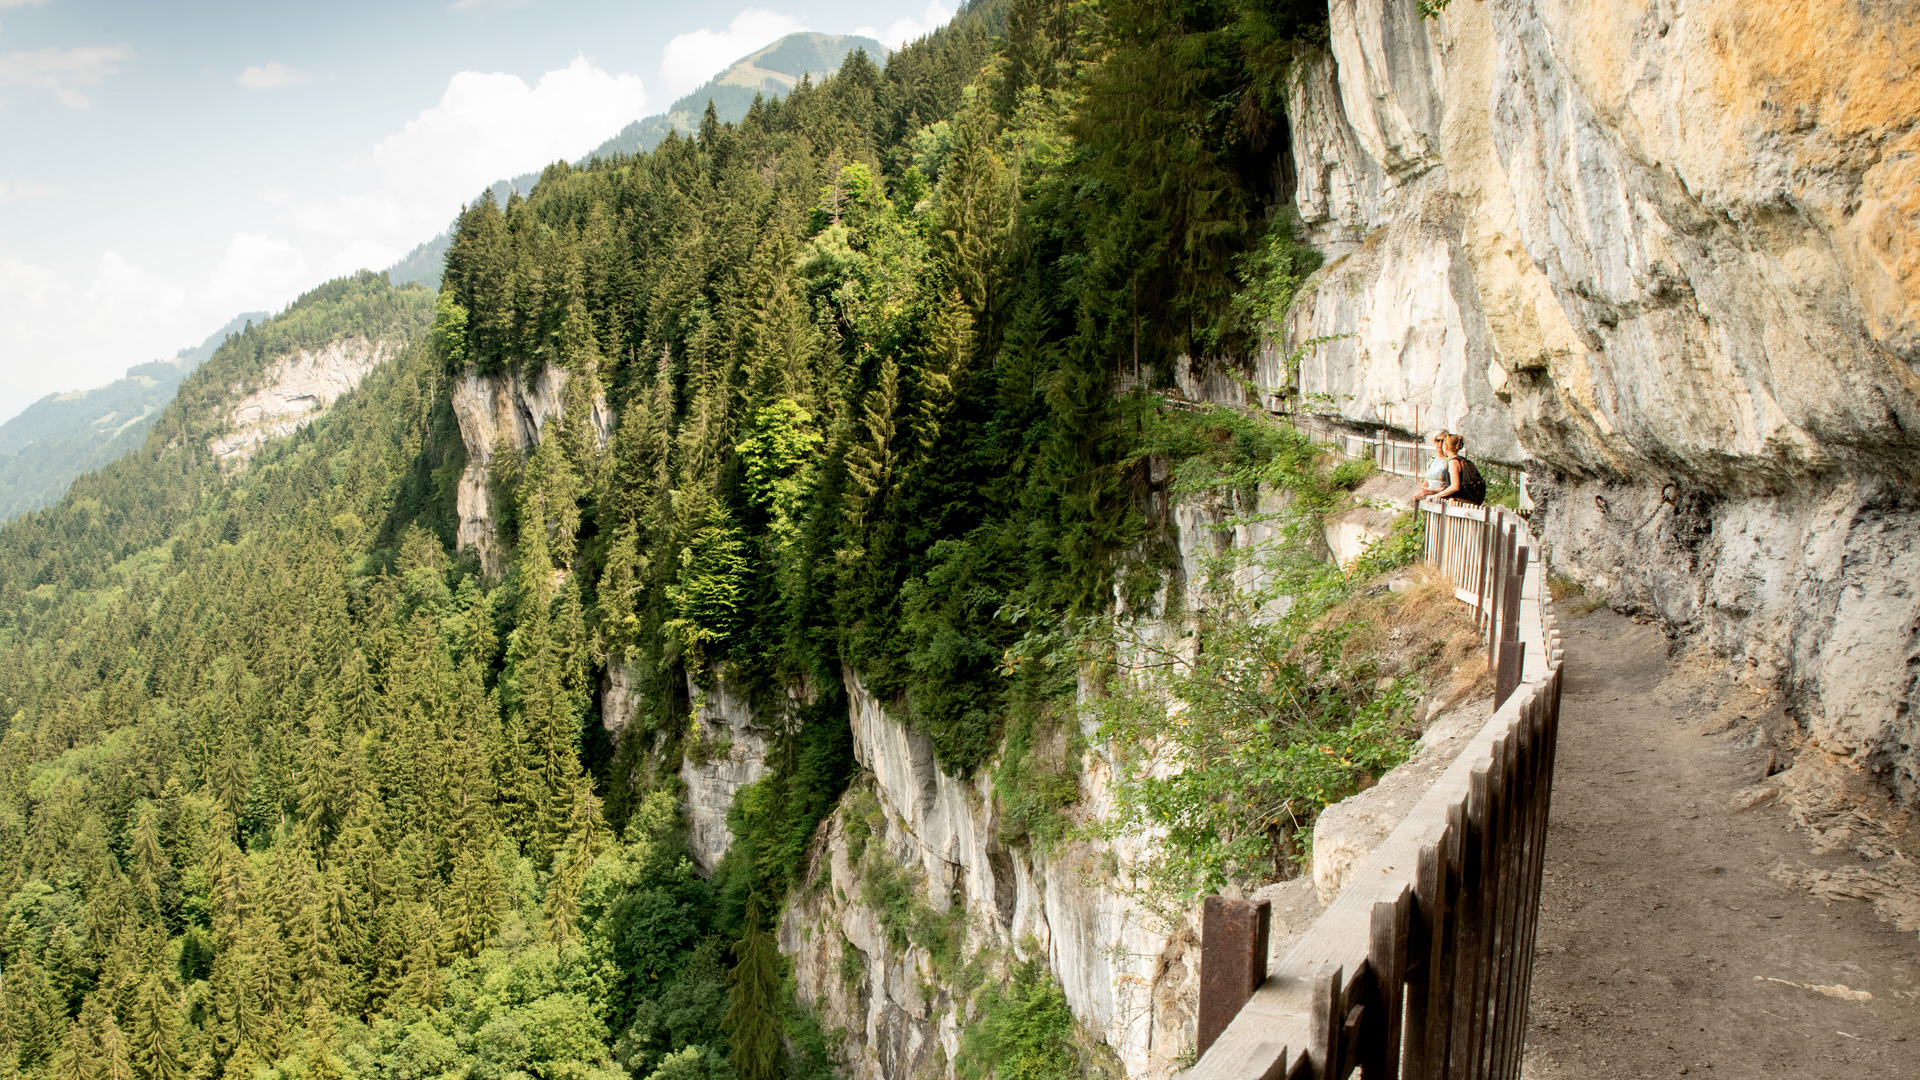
{"points": [[753, 997], [154, 1046]]}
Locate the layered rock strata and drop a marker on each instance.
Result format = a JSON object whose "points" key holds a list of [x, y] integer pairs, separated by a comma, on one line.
{"points": [[1130, 979]]}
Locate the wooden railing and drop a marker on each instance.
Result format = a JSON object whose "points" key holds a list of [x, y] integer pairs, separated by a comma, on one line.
{"points": [[1421, 966], [1401, 457]]}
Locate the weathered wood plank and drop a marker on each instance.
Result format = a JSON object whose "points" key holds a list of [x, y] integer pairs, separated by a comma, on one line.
{"points": [[1387, 957], [1233, 961]]}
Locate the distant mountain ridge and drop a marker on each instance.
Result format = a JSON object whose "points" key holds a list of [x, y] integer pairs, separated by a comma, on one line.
{"points": [[63, 436], [771, 71]]}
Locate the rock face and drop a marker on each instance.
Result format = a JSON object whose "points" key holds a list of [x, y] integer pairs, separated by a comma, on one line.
{"points": [[620, 697], [504, 412], [296, 390], [1663, 254], [1130, 980], [728, 753]]}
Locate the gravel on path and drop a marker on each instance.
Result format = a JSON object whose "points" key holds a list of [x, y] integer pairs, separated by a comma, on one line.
{"points": [[1666, 946]]}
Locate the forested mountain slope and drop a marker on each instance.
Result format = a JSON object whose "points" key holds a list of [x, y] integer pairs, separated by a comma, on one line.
{"points": [[62, 436], [293, 785], [766, 72]]}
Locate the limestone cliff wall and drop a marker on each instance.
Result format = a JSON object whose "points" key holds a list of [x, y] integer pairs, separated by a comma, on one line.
{"points": [[496, 412], [1131, 980], [727, 752], [1129, 977], [296, 390], [1667, 256]]}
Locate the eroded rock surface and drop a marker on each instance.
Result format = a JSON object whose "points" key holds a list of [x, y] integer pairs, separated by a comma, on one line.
{"points": [[728, 752], [1665, 255], [1130, 979]]}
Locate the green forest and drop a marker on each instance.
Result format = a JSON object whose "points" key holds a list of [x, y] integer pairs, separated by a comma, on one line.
{"points": [[290, 788]]}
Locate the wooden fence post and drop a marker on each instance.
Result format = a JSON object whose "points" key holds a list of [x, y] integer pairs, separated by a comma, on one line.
{"points": [[1432, 982], [1511, 653], [1233, 961]]}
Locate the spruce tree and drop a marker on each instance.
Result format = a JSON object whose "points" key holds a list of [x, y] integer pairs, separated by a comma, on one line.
{"points": [[871, 462], [753, 998], [78, 1058], [154, 1046]]}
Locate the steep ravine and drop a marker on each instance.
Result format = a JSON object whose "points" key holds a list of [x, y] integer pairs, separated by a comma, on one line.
{"points": [[1130, 979], [1660, 255]]}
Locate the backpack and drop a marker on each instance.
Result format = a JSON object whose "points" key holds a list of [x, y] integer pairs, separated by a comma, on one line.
{"points": [[1473, 486]]}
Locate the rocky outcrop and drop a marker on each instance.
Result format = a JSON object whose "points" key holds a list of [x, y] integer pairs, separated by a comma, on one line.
{"points": [[1129, 979], [293, 391], [727, 751], [504, 412], [619, 695], [1667, 257]]}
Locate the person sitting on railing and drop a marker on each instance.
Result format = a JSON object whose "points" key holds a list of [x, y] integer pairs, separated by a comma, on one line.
{"points": [[1465, 484], [1437, 477]]}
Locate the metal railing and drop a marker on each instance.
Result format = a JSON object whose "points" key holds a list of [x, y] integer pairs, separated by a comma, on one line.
{"points": [[1421, 967]]}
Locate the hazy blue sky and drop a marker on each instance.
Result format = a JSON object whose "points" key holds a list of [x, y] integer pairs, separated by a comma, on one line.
{"points": [[166, 165]]}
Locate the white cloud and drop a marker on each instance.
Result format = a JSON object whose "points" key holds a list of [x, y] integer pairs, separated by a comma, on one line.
{"points": [[15, 190], [61, 70], [256, 271], [63, 329], [905, 30], [486, 127], [269, 75], [691, 59], [64, 332], [5, 4]]}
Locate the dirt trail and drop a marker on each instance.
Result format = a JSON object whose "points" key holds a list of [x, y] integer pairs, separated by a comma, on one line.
{"points": [[1666, 947]]}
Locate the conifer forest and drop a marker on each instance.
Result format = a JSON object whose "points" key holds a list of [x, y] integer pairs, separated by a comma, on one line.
{"points": [[296, 786]]}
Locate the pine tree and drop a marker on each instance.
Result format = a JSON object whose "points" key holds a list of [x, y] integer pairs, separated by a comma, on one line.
{"points": [[152, 870], [474, 900], [111, 1052], [549, 501], [562, 905], [949, 348], [753, 996], [78, 1058], [971, 215], [871, 462], [154, 1048]]}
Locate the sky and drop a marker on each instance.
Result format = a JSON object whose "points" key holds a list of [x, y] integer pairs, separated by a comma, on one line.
{"points": [[164, 167]]}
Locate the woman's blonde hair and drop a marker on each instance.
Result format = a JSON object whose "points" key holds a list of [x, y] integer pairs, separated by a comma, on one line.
{"points": [[1454, 443]]}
